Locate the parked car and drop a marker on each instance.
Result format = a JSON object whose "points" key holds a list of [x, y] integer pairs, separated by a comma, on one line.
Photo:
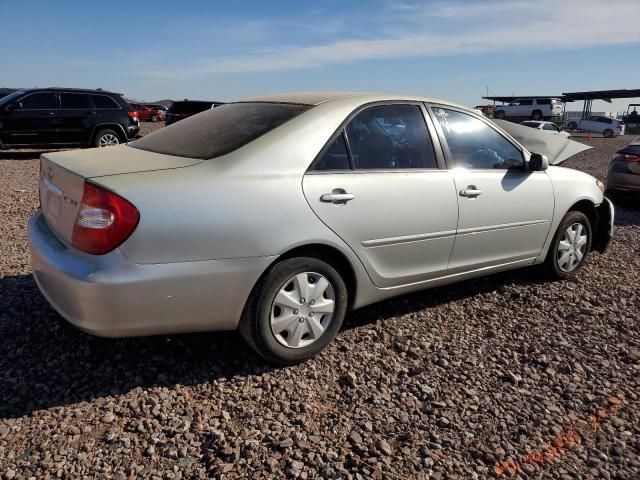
{"points": [[607, 126], [548, 127], [624, 169], [161, 111], [185, 108], [145, 113], [534, 108], [266, 225], [52, 117]]}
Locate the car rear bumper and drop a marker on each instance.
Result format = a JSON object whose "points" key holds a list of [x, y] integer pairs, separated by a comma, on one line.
{"points": [[623, 181], [132, 131], [110, 296]]}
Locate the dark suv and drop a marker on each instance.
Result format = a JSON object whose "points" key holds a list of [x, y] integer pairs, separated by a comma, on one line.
{"points": [[185, 108], [52, 117]]}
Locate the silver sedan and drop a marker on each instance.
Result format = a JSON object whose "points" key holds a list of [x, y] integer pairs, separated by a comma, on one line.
{"points": [[277, 215]]}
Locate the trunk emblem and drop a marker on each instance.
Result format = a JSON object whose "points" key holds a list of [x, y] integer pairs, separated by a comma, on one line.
{"points": [[70, 200]]}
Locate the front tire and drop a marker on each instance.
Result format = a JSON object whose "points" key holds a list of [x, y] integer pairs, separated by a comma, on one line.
{"points": [[537, 115], [570, 246], [106, 138], [295, 310], [499, 115], [572, 125]]}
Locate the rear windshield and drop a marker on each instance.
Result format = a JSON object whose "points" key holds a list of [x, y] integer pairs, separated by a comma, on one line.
{"points": [[189, 107], [218, 131], [631, 150]]}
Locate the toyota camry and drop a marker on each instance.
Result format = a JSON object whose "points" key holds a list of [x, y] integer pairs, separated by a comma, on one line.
{"points": [[277, 215]]}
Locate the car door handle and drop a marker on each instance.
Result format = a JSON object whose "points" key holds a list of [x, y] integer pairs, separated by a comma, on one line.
{"points": [[470, 191], [340, 197]]}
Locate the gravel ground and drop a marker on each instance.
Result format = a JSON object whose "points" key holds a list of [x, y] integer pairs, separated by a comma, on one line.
{"points": [[505, 376]]}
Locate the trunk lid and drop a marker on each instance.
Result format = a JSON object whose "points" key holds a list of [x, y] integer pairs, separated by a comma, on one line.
{"points": [[62, 177]]}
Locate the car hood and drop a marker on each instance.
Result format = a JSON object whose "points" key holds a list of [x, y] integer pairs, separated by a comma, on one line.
{"points": [[557, 148], [99, 162]]}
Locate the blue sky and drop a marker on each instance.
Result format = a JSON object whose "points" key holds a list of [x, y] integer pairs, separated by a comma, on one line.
{"points": [[229, 50]]}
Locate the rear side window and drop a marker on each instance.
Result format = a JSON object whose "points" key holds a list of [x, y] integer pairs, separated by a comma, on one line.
{"points": [[71, 101], [605, 120], [104, 102], [218, 131], [549, 126], [390, 137], [543, 101], [39, 101], [475, 145], [336, 157]]}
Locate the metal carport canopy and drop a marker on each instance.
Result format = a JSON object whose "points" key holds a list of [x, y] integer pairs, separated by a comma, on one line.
{"points": [[605, 95]]}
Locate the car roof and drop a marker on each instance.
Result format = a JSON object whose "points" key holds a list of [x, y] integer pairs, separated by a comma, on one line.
{"points": [[76, 90], [317, 98]]}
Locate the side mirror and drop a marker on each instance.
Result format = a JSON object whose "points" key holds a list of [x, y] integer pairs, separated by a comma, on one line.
{"points": [[538, 163]]}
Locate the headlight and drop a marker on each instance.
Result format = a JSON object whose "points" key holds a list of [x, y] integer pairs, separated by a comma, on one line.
{"points": [[600, 185]]}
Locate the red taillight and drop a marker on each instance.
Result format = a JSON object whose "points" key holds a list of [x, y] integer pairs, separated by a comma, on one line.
{"points": [[133, 114], [626, 157], [104, 220]]}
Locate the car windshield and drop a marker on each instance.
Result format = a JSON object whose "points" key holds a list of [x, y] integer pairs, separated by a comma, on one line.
{"points": [[11, 97], [218, 131]]}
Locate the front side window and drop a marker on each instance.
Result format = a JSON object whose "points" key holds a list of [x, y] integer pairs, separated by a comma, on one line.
{"points": [[475, 145], [390, 137], [72, 101], [38, 101], [219, 131]]}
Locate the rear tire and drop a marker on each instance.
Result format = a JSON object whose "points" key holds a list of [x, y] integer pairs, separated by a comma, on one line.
{"points": [[572, 125], [537, 115], [499, 114], [106, 138], [570, 246], [608, 133], [285, 328]]}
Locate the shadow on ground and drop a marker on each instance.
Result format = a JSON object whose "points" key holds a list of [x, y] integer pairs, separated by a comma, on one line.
{"points": [[45, 362], [21, 154]]}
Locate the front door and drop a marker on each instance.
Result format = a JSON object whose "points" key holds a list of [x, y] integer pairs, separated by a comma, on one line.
{"points": [[386, 195], [505, 211], [32, 120]]}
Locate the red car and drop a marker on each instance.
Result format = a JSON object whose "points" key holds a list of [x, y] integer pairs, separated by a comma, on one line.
{"points": [[146, 114]]}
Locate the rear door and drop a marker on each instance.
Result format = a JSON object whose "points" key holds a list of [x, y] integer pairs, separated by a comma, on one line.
{"points": [[76, 118], [387, 194], [32, 120]]}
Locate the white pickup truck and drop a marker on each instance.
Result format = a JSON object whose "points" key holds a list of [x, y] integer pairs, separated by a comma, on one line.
{"points": [[534, 108]]}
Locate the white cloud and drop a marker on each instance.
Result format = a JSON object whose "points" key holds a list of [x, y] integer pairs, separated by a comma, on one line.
{"points": [[447, 28]]}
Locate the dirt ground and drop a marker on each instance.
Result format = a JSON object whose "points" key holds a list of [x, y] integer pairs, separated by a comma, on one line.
{"points": [[506, 376]]}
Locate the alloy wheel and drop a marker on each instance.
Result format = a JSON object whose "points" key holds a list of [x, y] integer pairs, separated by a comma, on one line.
{"points": [[572, 247], [108, 140], [302, 309]]}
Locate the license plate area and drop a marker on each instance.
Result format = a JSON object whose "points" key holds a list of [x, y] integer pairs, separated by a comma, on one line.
{"points": [[50, 198]]}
